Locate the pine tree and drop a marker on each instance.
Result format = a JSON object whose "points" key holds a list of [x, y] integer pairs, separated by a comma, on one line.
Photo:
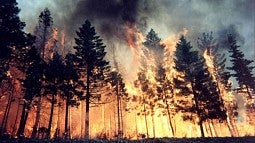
{"points": [[90, 54], [69, 89], [241, 66], [54, 78], [12, 36], [194, 81], [119, 89], [12, 40], [243, 73], [215, 61], [43, 33], [32, 85]]}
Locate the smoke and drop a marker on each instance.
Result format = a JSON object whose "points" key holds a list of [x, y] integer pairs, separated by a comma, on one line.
{"points": [[109, 16], [222, 17]]}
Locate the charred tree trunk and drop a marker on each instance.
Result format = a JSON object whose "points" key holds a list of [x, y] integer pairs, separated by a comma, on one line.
{"points": [[87, 106], [51, 115], [6, 113], [23, 119], [200, 122], [66, 118], [37, 118], [16, 120]]}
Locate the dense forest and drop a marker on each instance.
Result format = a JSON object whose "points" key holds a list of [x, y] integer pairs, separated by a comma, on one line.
{"points": [[50, 89]]}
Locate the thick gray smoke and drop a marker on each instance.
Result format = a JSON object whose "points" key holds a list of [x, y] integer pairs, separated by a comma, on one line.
{"points": [[166, 17]]}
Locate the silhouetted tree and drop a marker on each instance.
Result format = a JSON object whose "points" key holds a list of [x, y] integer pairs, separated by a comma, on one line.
{"points": [[69, 89], [43, 33], [241, 66], [243, 73], [90, 53], [216, 60], [12, 38], [32, 85], [194, 81], [119, 89], [54, 78]]}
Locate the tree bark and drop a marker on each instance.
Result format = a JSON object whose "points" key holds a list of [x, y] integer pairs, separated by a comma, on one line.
{"points": [[66, 118], [37, 118], [87, 106], [51, 115], [23, 120]]}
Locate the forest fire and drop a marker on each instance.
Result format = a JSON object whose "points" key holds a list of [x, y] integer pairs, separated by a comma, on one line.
{"points": [[56, 84]]}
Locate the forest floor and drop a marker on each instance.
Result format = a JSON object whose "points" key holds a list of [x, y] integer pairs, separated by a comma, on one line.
{"points": [[156, 140]]}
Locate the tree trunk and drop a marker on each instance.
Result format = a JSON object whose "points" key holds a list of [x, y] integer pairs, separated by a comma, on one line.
{"points": [[118, 112], [153, 124], [16, 119], [37, 118], [51, 115], [66, 118], [23, 120], [200, 122], [87, 107], [145, 118], [6, 113], [170, 120]]}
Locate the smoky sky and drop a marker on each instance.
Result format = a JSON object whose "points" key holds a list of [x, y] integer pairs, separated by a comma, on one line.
{"points": [[222, 17]]}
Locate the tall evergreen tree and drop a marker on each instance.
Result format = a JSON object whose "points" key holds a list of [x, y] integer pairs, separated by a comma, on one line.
{"points": [[69, 89], [43, 33], [12, 36], [241, 66], [194, 81], [215, 61], [12, 39], [119, 89], [54, 78], [90, 54], [243, 73], [32, 85]]}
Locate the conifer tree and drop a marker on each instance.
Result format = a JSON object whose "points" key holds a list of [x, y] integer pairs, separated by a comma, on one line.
{"points": [[43, 33], [241, 66], [194, 81], [12, 36], [243, 73], [215, 61], [32, 85], [90, 54], [69, 89]]}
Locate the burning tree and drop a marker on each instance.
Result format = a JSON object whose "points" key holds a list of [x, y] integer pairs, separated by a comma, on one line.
{"points": [[152, 79], [119, 89], [13, 41], [243, 74], [70, 89], [197, 92], [32, 85], [215, 62], [91, 66]]}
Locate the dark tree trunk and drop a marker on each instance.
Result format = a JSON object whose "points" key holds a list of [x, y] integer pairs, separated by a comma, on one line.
{"points": [[37, 118], [23, 120], [200, 122], [51, 115], [87, 106], [16, 120], [66, 118]]}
